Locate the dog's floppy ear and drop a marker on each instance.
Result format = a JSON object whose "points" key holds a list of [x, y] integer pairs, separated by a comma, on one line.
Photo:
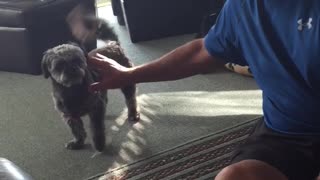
{"points": [[45, 63]]}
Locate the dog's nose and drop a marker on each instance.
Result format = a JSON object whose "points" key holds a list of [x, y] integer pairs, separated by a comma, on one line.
{"points": [[71, 69], [74, 71]]}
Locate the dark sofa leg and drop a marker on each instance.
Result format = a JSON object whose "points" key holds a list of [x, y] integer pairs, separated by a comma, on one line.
{"points": [[117, 11]]}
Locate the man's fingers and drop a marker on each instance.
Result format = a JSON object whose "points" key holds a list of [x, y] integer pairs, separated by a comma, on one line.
{"points": [[96, 62], [98, 56], [101, 56], [99, 86], [95, 87]]}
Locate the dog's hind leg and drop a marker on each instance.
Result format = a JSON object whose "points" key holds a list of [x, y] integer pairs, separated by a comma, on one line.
{"points": [[97, 125], [131, 101], [78, 131]]}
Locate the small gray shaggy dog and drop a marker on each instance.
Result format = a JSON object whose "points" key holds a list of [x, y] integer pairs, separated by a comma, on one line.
{"points": [[66, 65]]}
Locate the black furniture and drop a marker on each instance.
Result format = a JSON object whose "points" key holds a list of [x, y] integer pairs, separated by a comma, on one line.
{"points": [[212, 13], [117, 11], [152, 19], [29, 27]]}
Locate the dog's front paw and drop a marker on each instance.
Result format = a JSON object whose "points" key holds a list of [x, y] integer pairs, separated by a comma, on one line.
{"points": [[74, 145], [99, 142], [134, 117]]}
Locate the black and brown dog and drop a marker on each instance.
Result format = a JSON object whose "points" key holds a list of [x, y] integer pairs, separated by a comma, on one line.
{"points": [[67, 67]]}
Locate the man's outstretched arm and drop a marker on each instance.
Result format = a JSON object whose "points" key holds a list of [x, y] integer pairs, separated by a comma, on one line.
{"points": [[185, 61]]}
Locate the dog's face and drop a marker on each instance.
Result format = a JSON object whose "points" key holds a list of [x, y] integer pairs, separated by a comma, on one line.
{"points": [[66, 64]]}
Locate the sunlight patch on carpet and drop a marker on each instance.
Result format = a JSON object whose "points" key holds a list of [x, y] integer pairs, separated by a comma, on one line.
{"points": [[202, 103]]}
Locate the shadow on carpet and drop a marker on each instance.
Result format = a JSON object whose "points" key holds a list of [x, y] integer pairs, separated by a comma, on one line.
{"points": [[202, 158]]}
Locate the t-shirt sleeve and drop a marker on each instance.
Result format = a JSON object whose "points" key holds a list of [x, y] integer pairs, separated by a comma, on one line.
{"points": [[221, 41]]}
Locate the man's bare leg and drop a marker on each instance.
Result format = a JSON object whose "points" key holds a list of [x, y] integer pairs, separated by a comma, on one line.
{"points": [[250, 170]]}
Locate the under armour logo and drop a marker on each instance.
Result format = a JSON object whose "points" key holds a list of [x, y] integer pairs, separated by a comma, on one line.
{"points": [[302, 24]]}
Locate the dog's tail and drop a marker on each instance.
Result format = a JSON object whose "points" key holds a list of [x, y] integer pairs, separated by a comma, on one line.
{"points": [[104, 31], [86, 26]]}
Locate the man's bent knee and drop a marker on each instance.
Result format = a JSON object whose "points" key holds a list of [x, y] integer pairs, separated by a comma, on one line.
{"points": [[250, 170]]}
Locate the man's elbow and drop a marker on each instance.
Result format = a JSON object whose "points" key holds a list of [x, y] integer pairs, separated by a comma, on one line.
{"points": [[207, 62]]}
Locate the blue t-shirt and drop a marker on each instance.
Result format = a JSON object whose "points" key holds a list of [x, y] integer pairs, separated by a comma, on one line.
{"points": [[280, 41]]}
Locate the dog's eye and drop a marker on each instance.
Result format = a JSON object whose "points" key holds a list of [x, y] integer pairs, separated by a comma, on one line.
{"points": [[74, 61], [58, 66], [78, 62]]}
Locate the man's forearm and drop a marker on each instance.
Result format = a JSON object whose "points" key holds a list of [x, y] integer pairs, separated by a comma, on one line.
{"points": [[187, 60]]}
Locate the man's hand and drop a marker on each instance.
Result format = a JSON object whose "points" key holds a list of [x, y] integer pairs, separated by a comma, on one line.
{"points": [[187, 60], [112, 73]]}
